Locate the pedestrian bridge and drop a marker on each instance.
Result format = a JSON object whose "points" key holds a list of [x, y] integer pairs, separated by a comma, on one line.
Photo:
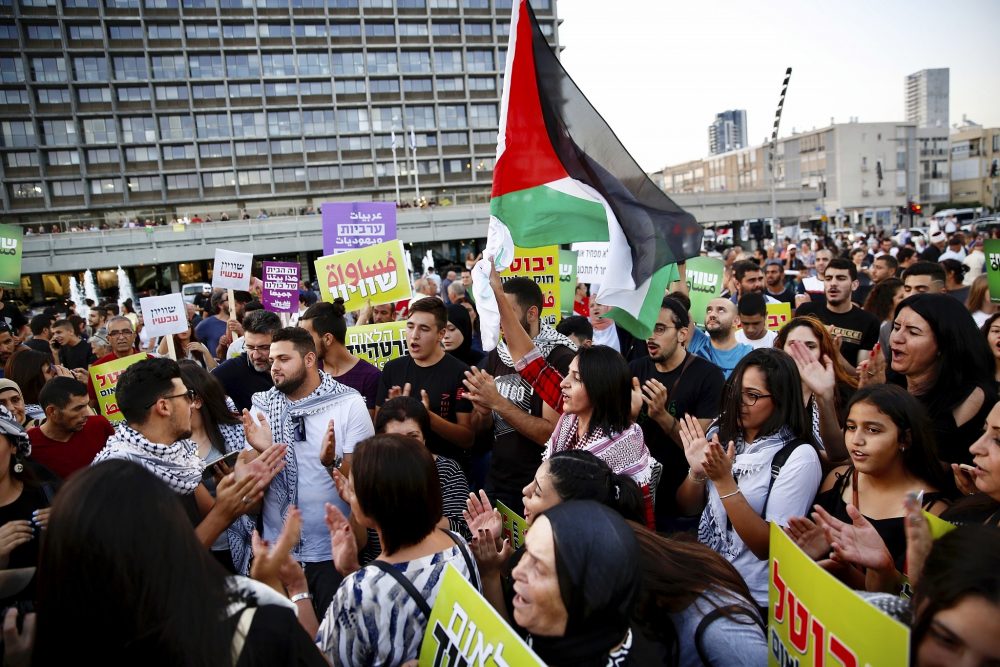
{"points": [[79, 251]]}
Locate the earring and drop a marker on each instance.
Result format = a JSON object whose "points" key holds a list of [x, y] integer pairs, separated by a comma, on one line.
{"points": [[18, 467]]}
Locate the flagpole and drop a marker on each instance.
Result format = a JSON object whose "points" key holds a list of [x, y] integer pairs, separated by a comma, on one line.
{"points": [[416, 173], [395, 169]]}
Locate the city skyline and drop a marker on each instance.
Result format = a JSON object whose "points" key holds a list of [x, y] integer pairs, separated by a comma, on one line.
{"points": [[658, 93]]}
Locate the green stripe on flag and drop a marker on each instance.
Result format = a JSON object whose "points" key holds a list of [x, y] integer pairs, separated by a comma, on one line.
{"points": [[642, 327], [544, 216]]}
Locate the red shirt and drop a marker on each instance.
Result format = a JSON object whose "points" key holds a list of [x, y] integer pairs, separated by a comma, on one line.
{"points": [[65, 458]]}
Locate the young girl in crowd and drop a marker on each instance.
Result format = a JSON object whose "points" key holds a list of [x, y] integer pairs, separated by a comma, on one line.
{"points": [[734, 486], [188, 347], [991, 330], [979, 302], [892, 454]]}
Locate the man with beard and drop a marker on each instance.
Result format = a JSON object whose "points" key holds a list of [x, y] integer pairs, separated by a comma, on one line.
{"points": [[521, 421], [157, 435], [245, 375], [305, 409], [326, 324], [720, 345], [674, 383], [71, 435], [749, 277], [774, 282], [857, 329]]}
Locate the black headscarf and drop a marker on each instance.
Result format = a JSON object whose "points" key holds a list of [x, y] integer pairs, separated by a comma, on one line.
{"points": [[459, 316], [597, 562]]}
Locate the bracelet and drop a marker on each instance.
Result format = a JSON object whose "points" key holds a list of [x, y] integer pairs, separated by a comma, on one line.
{"points": [[696, 479], [301, 596], [730, 495]]}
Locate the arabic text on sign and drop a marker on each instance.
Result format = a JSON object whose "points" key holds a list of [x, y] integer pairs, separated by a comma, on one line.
{"points": [[354, 273]]}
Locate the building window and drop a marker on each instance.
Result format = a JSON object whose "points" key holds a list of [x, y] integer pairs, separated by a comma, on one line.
{"points": [[345, 30], [413, 29], [418, 85], [143, 183], [290, 175], [62, 158], [210, 125], [352, 120], [447, 61], [254, 177], [130, 68], [384, 86], [314, 64], [182, 181], [454, 139], [49, 70], [215, 150], [11, 70], [415, 62], [278, 64], [281, 89], [212, 91], [105, 186], [201, 31], [483, 138], [357, 171], [94, 95], [138, 129], [176, 127], [249, 125], [350, 86], [169, 67], [385, 119], [316, 88], [446, 29], [244, 90], [41, 31], [324, 173], [48, 96], [141, 154], [245, 148], [102, 156], [275, 30], [31, 190], [171, 92], [286, 147], [59, 132], [452, 117], [480, 61], [321, 145], [243, 65], [283, 123], [348, 63], [317, 122], [179, 152], [483, 115], [382, 62], [450, 84], [206, 67], [99, 131], [164, 31], [125, 31], [478, 30], [238, 31], [21, 160], [482, 83], [218, 179], [67, 188], [356, 143], [133, 94], [311, 30], [380, 30], [420, 117]]}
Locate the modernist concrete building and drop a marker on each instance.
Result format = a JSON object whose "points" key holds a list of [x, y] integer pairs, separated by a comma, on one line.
{"points": [[155, 108]]}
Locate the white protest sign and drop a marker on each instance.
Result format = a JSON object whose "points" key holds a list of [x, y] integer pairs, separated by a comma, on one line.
{"points": [[232, 269], [164, 315], [591, 261]]}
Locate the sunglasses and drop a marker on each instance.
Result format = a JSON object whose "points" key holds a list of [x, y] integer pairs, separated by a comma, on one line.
{"points": [[190, 394]]}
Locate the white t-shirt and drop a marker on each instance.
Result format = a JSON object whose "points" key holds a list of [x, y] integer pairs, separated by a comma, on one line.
{"points": [[766, 341], [352, 424], [607, 337]]}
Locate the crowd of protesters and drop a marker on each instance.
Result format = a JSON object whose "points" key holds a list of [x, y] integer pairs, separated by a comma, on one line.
{"points": [[271, 498]]}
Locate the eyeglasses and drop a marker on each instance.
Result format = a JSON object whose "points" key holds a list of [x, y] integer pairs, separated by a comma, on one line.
{"points": [[750, 398], [257, 348], [120, 334], [660, 328], [190, 394]]}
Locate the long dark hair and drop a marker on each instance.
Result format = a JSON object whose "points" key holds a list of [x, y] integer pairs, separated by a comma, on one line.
{"points": [[120, 546], [879, 301], [214, 411], [608, 381], [179, 345], [916, 433], [965, 562], [675, 573], [962, 349], [579, 475], [25, 368], [784, 385]]}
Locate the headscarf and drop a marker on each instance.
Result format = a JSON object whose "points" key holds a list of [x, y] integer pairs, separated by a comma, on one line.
{"points": [[10, 428], [459, 316], [597, 563]]}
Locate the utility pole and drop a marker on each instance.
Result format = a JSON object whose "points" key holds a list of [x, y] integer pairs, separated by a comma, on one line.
{"points": [[774, 143]]}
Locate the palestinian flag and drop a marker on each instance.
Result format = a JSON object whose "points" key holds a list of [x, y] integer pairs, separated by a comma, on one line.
{"points": [[562, 176]]}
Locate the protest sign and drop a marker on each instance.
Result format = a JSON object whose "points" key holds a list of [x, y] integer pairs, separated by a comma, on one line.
{"points": [[11, 245], [353, 225], [164, 315], [992, 251], [514, 525], [377, 343], [778, 315], [704, 281], [542, 266], [567, 281], [375, 274], [105, 379], [939, 527], [281, 287], [464, 629], [591, 261], [814, 619], [232, 269]]}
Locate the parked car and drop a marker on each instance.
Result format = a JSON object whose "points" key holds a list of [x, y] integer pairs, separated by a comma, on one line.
{"points": [[191, 290]]}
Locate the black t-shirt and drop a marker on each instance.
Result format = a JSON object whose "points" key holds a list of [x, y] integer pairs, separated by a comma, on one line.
{"points": [[857, 328], [13, 316], [26, 555], [698, 392], [80, 355], [515, 457], [443, 383], [241, 381], [787, 296]]}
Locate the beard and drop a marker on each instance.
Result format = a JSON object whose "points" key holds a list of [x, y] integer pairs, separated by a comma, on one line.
{"points": [[291, 383]]}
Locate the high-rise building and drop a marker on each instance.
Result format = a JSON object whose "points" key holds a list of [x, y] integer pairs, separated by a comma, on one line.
{"points": [[125, 107], [728, 132], [927, 98]]}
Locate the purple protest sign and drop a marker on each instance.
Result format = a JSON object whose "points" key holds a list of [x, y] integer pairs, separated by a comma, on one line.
{"points": [[281, 287], [349, 226]]}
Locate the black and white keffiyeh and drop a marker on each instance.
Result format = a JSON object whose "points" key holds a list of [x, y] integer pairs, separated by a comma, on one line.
{"points": [[546, 341], [178, 464]]}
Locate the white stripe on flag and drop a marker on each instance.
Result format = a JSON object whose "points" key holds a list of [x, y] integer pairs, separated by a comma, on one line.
{"points": [[507, 70]]}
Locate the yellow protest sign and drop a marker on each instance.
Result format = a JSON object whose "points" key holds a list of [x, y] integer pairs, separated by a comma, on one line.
{"points": [[778, 315], [939, 527], [514, 525], [375, 274], [105, 379], [377, 343], [464, 629], [542, 266], [814, 619]]}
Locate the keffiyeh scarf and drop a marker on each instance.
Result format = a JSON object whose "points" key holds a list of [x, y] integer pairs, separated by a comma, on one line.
{"points": [[752, 460], [546, 341], [178, 464], [625, 452], [287, 421]]}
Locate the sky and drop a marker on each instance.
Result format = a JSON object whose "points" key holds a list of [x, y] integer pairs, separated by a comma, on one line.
{"points": [[659, 70]]}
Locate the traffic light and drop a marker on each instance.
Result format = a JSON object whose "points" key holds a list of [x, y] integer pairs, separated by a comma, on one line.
{"points": [[915, 209]]}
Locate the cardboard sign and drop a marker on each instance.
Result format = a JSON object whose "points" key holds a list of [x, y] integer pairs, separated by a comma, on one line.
{"points": [[105, 379], [349, 226], [375, 274], [464, 629], [704, 281], [542, 266], [11, 246], [281, 287], [164, 315], [377, 343], [567, 281], [814, 619], [591, 261], [992, 251], [232, 269], [778, 315], [514, 525]]}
